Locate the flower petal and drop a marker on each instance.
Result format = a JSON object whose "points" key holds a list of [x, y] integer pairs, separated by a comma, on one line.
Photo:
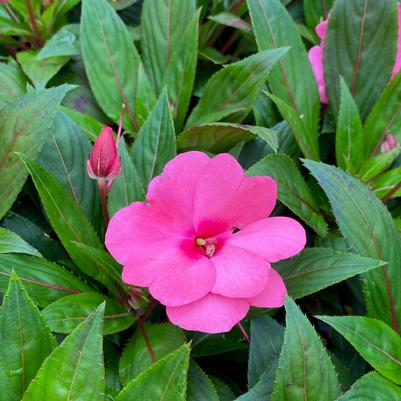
{"points": [[239, 273], [315, 56], [181, 280], [273, 295], [211, 314], [173, 191], [139, 231], [272, 239]]}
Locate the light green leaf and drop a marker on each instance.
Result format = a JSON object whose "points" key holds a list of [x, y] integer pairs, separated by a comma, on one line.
{"points": [[233, 21], [25, 341], [378, 164], [384, 183], [64, 315], [291, 80], [370, 231], [369, 387], [305, 370], [155, 145], [12, 84], [234, 88], [166, 380], [164, 339], [318, 268], [74, 371], [25, 128], [221, 137], [376, 342], [65, 42], [45, 281], [10, 242], [111, 60], [354, 50], [292, 189], [349, 134]]}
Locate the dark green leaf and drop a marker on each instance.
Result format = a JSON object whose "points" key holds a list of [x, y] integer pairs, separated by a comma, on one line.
{"points": [[10, 242], [200, 387], [378, 164], [316, 11], [12, 84], [74, 371], [25, 341]]}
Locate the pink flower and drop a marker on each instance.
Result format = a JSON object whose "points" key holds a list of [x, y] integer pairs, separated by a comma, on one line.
{"points": [[389, 143], [203, 242], [104, 162], [316, 57]]}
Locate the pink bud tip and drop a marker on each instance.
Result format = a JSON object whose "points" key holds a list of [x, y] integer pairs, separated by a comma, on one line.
{"points": [[389, 143], [104, 161]]}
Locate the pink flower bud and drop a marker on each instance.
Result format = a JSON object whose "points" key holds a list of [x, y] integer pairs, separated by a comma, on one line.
{"points": [[104, 161], [389, 143]]}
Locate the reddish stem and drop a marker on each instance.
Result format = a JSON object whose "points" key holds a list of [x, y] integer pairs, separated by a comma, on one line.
{"points": [[243, 332], [33, 24], [390, 193], [141, 326], [102, 187]]}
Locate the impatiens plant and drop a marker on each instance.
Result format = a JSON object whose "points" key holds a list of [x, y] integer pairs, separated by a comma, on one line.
{"points": [[199, 200]]}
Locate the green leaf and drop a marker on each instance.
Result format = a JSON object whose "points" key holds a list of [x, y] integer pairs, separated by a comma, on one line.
{"points": [[262, 390], [155, 145], [266, 341], [64, 42], [234, 88], [74, 371], [25, 128], [384, 118], [292, 189], [376, 342], [166, 380], [200, 387], [370, 231], [368, 387], [111, 60], [25, 341], [169, 48], [305, 370], [349, 133], [233, 21], [221, 137], [10, 242], [223, 390], [354, 50], [40, 71], [378, 164], [68, 221], [65, 155], [164, 339], [64, 315], [12, 84], [316, 11], [292, 80], [318, 268], [383, 184], [127, 187], [45, 281]]}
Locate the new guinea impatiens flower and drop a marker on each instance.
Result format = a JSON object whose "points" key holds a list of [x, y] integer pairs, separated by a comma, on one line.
{"points": [[104, 162], [203, 242], [315, 55]]}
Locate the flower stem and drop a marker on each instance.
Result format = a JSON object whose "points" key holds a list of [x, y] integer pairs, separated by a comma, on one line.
{"points": [[243, 332], [141, 327], [33, 24], [102, 187]]}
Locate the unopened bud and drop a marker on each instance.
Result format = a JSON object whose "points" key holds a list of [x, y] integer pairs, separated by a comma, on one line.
{"points": [[389, 143]]}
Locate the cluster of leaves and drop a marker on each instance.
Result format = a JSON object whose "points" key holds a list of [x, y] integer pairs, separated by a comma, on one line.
{"points": [[217, 76]]}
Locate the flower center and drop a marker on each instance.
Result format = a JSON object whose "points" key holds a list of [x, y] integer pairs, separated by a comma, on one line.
{"points": [[208, 247]]}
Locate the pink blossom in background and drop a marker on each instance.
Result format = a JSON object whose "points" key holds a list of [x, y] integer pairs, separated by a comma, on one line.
{"points": [[203, 242], [389, 143], [315, 55]]}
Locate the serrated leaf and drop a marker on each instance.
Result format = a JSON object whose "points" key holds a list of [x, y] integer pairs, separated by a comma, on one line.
{"points": [[12, 84], [369, 387], [200, 387], [234, 88], [65, 154], [68, 221], [74, 371], [292, 189], [318, 268], [10, 242], [291, 80], [262, 390], [111, 60], [354, 50], [164, 339], [266, 341], [44, 281], [155, 145], [297, 375], [64, 315], [376, 342], [25, 341], [166, 380], [370, 231], [25, 128], [349, 134], [127, 187], [221, 137]]}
